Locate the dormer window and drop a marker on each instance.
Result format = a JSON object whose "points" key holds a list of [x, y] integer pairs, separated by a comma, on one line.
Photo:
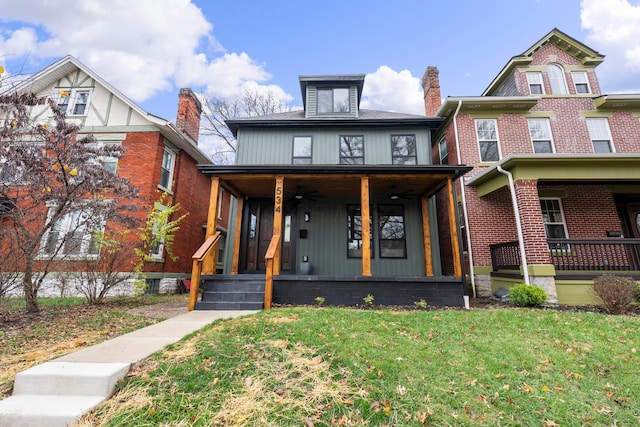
{"points": [[580, 81], [73, 102], [333, 100]]}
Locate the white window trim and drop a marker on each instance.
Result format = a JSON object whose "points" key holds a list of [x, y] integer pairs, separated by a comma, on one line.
{"points": [[562, 79], [172, 169], [495, 121], [606, 121], [586, 81], [553, 146], [538, 74], [86, 238], [157, 255], [443, 143], [564, 221], [72, 96]]}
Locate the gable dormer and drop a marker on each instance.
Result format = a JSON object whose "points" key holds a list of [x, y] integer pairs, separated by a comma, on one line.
{"points": [[557, 64], [335, 96]]}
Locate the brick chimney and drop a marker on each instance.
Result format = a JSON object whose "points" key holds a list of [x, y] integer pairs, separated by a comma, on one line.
{"points": [[431, 90], [189, 111]]}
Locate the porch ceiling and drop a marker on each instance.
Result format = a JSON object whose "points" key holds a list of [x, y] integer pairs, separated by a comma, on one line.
{"points": [[407, 181], [609, 168]]}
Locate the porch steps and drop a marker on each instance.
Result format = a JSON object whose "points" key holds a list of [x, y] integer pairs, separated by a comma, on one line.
{"points": [[232, 292]]}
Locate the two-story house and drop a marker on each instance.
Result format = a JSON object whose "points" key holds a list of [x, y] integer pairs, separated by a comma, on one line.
{"points": [[553, 199], [158, 156], [336, 202]]}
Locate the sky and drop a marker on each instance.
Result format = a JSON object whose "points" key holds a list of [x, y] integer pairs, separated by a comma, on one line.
{"points": [[149, 49]]}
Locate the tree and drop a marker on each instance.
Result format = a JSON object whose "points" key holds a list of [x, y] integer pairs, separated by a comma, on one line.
{"points": [[56, 191], [219, 109]]}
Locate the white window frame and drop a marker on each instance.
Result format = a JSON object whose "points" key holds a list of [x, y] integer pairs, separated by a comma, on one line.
{"points": [[580, 78], [443, 151], [534, 78], [599, 131], [156, 252], [64, 226], [557, 79], [483, 140], [105, 160], [71, 97], [167, 170], [535, 138], [546, 222]]}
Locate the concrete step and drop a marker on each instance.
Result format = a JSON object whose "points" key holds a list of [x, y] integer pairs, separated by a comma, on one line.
{"points": [[29, 410], [70, 378], [224, 306]]}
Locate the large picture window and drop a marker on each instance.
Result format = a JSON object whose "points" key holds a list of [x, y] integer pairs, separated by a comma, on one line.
{"points": [[354, 232], [302, 150], [333, 100], [540, 135], [351, 150], [403, 150], [488, 140], [393, 239]]}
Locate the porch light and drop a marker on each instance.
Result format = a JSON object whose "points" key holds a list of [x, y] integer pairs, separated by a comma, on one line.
{"points": [[298, 196], [394, 197], [307, 216]]}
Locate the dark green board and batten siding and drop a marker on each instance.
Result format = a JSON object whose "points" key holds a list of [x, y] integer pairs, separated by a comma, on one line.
{"points": [[263, 146], [326, 241]]}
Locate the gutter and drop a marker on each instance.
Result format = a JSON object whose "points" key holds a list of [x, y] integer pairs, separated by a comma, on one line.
{"points": [[516, 212], [464, 205]]}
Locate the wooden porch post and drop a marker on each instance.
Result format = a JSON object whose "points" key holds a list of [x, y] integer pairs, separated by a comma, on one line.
{"points": [[366, 228], [235, 262], [426, 236], [277, 219], [453, 230], [209, 264]]}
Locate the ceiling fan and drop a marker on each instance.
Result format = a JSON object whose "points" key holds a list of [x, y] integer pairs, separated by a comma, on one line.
{"points": [[299, 195]]}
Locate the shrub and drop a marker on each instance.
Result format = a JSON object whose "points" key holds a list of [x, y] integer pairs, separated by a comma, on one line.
{"points": [[319, 300], [615, 293], [525, 295], [420, 304], [368, 300]]}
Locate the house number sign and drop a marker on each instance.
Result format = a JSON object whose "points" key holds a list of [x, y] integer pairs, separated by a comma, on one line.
{"points": [[279, 191]]}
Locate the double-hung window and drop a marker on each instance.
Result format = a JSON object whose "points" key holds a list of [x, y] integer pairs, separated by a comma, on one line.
{"points": [[351, 150], [487, 131], [534, 78], [444, 152], [157, 241], [555, 226], [392, 237], [580, 81], [600, 135], [403, 150], [333, 100], [556, 79], [72, 235], [540, 135], [167, 168], [302, 150], [74, 102]]}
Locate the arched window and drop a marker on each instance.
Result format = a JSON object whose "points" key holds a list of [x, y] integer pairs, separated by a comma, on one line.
{"points": [[556, 78]]}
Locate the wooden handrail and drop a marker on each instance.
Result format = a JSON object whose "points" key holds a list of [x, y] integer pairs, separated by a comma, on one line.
{"points": [[271, 257], [207, 249]]}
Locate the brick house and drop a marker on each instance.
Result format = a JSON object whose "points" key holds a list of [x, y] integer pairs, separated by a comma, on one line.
{"points": [[554, 195], [159, 156], [333, 201]]}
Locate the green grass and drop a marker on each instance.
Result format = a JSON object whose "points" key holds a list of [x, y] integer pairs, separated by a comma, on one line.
{"points": [[330, 366]]}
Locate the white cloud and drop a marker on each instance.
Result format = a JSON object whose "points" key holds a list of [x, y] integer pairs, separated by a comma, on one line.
{"points": [[142, 47], [614, 30], [389, 90]]}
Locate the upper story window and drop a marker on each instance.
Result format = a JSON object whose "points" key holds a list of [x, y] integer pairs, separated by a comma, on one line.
{"points": [[534, 79], [333, 100], [444, 152], [166, 171], [556, 79], [403, 150], [74, 102], [540, 135], [487, 131], [600, 135], [581, 82], [302, 150], [351, 150]]}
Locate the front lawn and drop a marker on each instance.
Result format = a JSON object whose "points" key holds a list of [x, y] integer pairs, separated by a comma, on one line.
{"points": [[331, 366]]}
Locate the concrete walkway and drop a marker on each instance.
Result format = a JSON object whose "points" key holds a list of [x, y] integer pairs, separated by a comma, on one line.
{"points": [[59, 392]]}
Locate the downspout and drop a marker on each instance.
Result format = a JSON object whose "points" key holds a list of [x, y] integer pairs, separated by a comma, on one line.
{"points": [[516, 212], [464, 204]]}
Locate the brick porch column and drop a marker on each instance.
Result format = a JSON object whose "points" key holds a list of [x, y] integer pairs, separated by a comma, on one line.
{"points": [[541, 271]]}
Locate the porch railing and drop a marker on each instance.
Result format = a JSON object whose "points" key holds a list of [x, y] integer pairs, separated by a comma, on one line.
{"points": [[272, 259], [207, 249], [575, 255]]}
